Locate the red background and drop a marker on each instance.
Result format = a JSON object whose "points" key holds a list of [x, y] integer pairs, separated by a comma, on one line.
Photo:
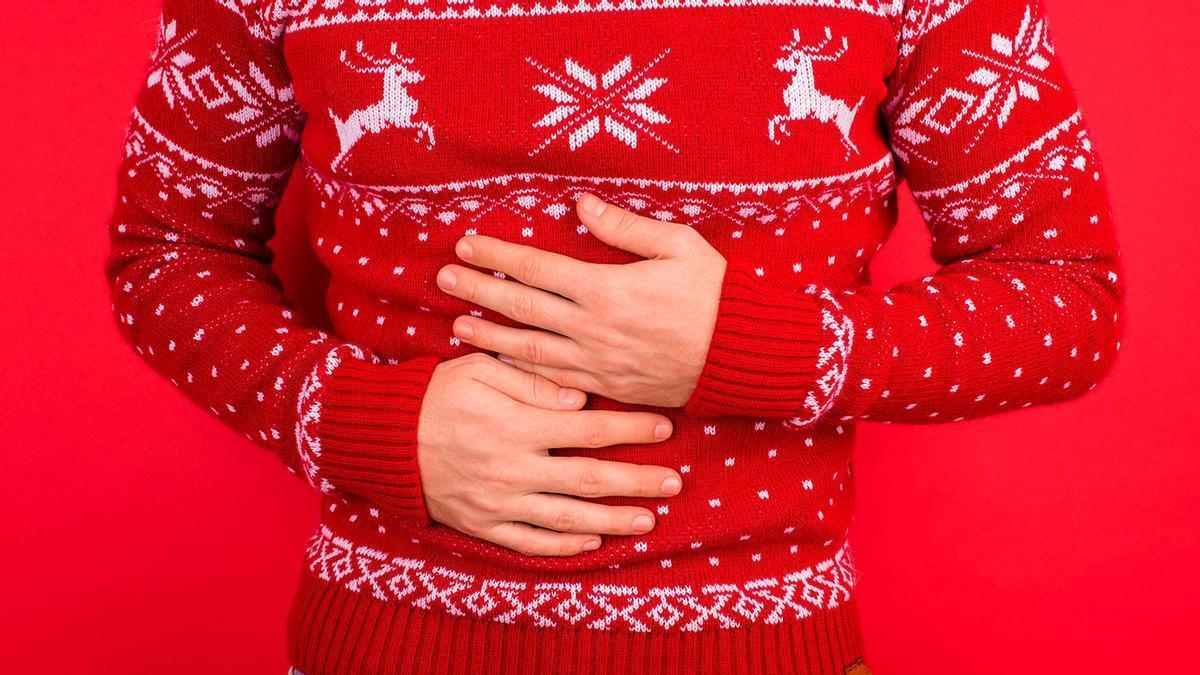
{"points": [[140, 536]]}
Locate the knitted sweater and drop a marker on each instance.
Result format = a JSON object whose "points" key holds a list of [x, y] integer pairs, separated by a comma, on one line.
{"points": [[778, 129]]}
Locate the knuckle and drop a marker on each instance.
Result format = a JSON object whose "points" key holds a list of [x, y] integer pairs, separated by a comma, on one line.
{"points": [[566, 520], [521, 307], [532, 351], [598, 291], [477, 359], [591, 483], [490, 507], [618, 295], [529, 269], [594, 292], [472, 526], [470, 288], [565, 379], [595, 431], [502, 476], [479, 363], [626, 220], [532, 386], [680, 237]]}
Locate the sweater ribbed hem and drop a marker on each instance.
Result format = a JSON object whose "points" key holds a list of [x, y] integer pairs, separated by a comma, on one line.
{"points": [[368, 433], [763, 359], [333, 631]]}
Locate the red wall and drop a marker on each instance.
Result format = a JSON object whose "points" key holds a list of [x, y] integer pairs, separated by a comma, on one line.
{"points": [[140, 536]]}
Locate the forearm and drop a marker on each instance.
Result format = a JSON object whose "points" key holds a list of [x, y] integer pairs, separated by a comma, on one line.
{"points": [[1026, 308], [999, 335], [193, 290]]}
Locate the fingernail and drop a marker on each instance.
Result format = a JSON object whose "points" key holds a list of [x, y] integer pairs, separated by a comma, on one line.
{"points": [[464, 330], [671, 486], [642, 524], [662, 430], [593, 204], [591, 544], [568, 396], [508, 359], [464, 250], [446, 280]]}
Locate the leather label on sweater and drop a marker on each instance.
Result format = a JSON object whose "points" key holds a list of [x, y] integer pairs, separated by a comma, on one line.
{"points": [[858, 668]]}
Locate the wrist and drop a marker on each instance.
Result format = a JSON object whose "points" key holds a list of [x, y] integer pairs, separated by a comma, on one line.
{"points": [[774, 353], [358, 430]]}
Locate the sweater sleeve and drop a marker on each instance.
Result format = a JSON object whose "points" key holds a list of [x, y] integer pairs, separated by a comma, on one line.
{"points": [[211, 143], [1025, 309]]}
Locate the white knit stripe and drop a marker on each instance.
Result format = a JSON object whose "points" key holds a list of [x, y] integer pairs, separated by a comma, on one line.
{"points": [[881, 166]]}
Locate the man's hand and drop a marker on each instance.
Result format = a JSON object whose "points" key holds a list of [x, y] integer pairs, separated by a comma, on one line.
{"points": [[637, 333], [483, 435]]}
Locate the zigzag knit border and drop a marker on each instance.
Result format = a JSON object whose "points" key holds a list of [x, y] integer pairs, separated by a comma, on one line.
{"points": [[771, 600]]}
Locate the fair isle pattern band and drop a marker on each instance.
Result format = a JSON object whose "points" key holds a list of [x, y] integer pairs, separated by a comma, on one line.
{"points": [[833, 362], [1006, 192], [882, 167], [533, 197], [772, 600], [259, 15], [308, 412], [1075, 121], [922, 17], [306, 14], [203, 184]]}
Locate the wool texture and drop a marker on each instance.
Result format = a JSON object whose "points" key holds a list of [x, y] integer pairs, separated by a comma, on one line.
{"points": [[778, 129]]}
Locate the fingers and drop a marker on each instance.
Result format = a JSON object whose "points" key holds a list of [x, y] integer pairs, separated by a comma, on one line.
{"points": [[527, 387], [564, 514], [534, 346], [531, 266], [563, 377], [589, 477], [628, 231], [599, 428], [523, 304], [531, 541]]}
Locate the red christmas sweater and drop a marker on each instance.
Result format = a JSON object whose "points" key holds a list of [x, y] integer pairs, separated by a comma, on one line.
{"points": [[779, 129]]}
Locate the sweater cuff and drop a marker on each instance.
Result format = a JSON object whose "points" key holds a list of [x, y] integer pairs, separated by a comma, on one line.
{"points": [[359, 430], [775, 354]]}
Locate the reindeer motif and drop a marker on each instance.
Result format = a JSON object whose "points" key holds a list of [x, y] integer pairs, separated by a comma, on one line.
{"points": [[803, 99], [396, 108]]}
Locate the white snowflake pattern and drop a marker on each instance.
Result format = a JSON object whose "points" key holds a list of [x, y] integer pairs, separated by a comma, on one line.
{"points": [[262, 109], [1012, 71], [245, 96], [614, 101], [170, 63]]}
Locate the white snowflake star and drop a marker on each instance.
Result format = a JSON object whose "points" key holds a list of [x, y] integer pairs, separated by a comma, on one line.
{"points": [[614, 101], [1012, 71], [243, 93], [170, 63]]}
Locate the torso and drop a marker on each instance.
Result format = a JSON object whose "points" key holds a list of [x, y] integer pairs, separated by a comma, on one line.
{"points": [[428, 122]]}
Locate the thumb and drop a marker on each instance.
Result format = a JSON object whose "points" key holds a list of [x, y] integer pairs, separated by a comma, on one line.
{"points": [[626, 230]]}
